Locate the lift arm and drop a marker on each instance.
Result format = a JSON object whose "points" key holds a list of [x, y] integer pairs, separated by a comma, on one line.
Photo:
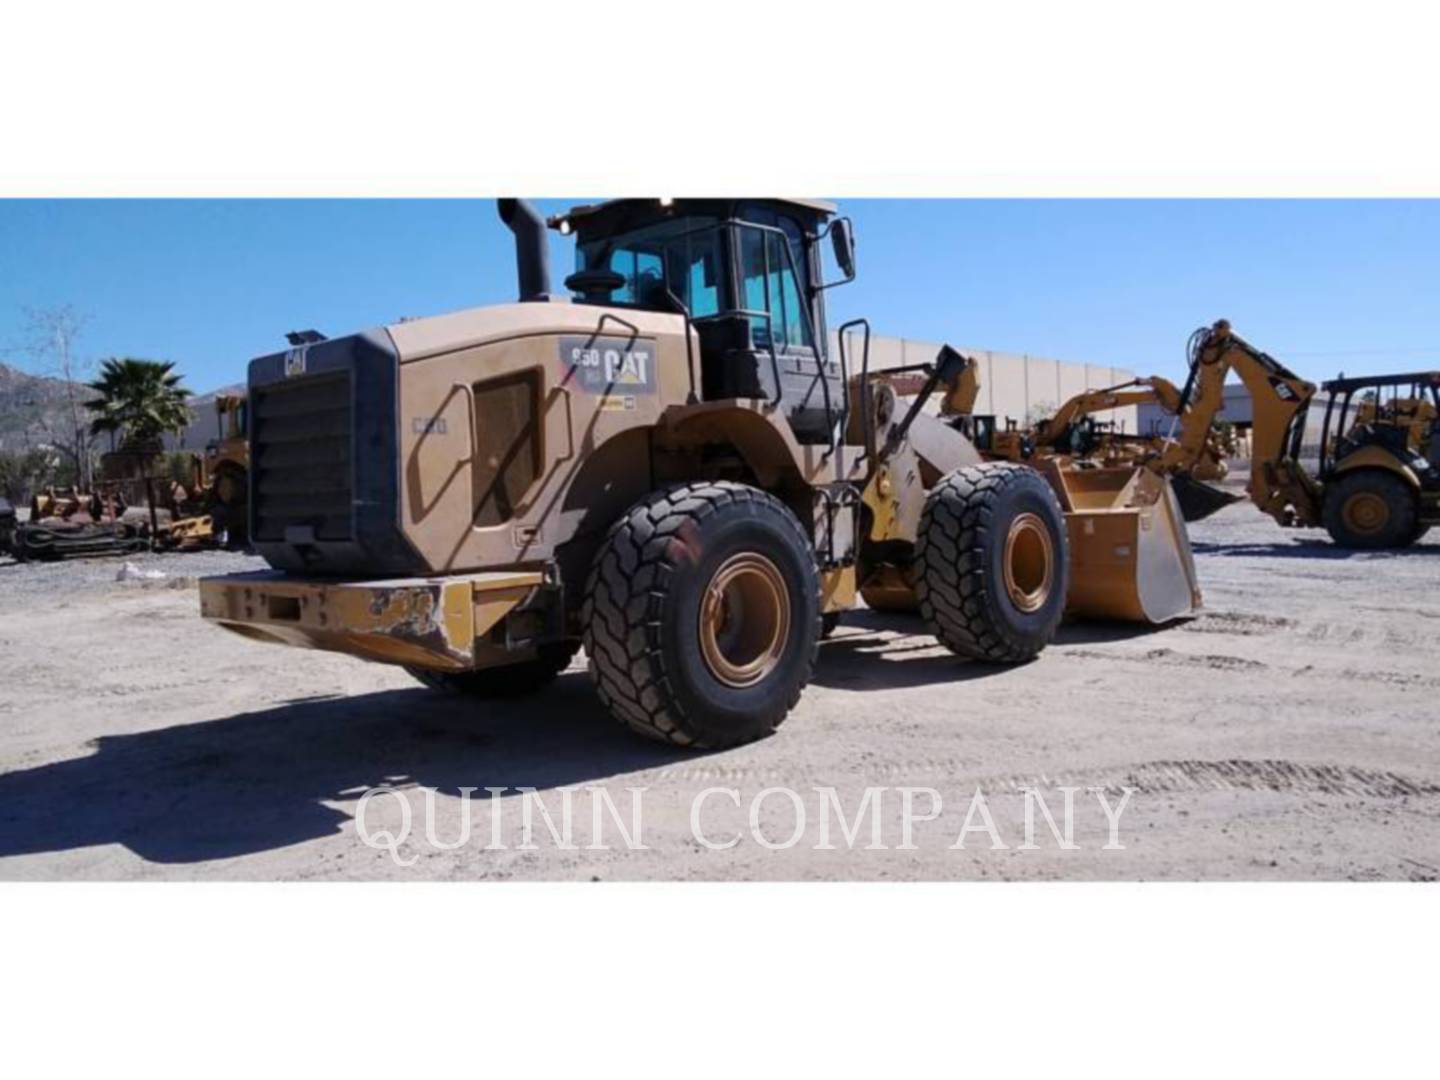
{"points": [[960, 383]]}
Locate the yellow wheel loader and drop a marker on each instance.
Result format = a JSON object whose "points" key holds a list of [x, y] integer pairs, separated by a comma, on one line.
{"points": [[668, 467]]}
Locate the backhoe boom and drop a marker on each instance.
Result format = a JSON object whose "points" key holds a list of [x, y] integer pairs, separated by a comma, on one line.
{"points": [[1278, 485]]}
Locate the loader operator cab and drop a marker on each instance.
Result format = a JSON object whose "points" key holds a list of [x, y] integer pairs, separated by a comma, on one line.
{"points": [[746, 273], [230, 420]]}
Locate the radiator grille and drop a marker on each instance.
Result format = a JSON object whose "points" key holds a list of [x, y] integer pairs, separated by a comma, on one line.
{"points": [[301, 450]]}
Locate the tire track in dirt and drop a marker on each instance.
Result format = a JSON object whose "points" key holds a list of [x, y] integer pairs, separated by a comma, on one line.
{"points": [[1234, 774], [1147, 778], [1171, 658], [1238, 623], [1402, 679], [868, 773]]}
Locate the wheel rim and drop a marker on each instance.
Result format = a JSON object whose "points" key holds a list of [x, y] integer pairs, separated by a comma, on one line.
{"points": [[1029, 562], [744, 620], [1366, 512]]}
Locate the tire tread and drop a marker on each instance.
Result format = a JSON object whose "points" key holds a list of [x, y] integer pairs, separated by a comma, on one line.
{"points": [[624, 606], [950, 580]]}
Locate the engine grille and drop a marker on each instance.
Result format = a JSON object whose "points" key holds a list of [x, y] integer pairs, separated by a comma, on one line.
{"points": [[301, 450]]}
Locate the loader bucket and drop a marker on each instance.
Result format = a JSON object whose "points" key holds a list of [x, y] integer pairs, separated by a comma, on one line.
{"points": [[1130, 555], [1199, 500]]}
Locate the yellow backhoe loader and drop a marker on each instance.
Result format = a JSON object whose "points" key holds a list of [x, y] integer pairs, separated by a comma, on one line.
{"points": [[1378, 474], [668, 467], [1376, 483]]}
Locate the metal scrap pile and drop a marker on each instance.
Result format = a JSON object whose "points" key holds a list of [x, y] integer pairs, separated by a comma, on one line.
{"points": [[66, 523], [116, 518]]}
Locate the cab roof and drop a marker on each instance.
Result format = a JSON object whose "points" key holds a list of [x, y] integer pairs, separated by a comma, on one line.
{"points": [[613, 215]]}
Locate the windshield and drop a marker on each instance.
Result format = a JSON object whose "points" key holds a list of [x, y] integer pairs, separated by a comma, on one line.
{"points": [[683, 254]]}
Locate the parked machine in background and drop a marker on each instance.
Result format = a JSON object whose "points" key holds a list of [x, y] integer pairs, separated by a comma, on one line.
{"points": [[202, 502], [672, 469], [1076, 432], [1379, 468], [1377, 481], [68, 522], [1191, 452], [227, 467], [7, 526]]}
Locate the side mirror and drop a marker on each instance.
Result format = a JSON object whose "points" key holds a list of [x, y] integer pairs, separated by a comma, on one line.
{"points": [[843, 242]]}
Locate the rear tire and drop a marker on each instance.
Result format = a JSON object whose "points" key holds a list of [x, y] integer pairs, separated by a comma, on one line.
{"points": [[992, 562], [1371, 509], [702, 615], [506, 681]]}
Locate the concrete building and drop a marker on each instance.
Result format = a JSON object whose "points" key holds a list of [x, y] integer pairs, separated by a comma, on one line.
{"points": [[1012, 385]]}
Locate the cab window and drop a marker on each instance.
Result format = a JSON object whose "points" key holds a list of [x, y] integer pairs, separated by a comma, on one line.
{"points": [[681, 255], [768, 284]]}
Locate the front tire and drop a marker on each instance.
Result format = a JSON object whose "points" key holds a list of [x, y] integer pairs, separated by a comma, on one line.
{"points": [[1371, 509], [702, 615], [992, 562]]}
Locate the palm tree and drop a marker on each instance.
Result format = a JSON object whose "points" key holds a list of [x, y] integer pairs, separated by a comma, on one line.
{"points": [[142, 401]]}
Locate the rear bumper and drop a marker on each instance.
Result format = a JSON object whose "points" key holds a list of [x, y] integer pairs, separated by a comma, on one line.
{"points": [[434, 623]]}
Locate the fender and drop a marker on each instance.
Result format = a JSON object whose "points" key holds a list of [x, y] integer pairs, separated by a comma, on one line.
{"points": [[757, 432], [1377, 457]]}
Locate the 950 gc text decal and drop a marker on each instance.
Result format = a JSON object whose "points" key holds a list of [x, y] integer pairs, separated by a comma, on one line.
{"points": [[609, 365]]}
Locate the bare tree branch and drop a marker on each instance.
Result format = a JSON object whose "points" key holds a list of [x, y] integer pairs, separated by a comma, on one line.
{"points": [[51, 336]]}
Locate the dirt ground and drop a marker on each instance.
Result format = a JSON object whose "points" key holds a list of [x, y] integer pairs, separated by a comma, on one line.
{"points": [[1290, 732]]}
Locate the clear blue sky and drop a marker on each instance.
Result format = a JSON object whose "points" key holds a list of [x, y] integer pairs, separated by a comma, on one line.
{"points": [[210, 283]]}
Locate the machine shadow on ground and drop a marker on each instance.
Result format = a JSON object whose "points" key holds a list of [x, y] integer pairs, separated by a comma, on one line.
{"points": [[865, 654], [869, 661], [259, 781]]}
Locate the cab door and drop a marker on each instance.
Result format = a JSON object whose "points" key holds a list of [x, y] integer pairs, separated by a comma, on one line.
{"points": [[772, 268]]}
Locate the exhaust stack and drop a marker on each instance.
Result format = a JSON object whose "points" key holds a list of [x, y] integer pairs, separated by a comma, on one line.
{"points": [[532, 254]]}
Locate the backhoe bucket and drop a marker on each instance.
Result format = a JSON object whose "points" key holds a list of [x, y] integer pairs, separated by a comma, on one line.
{"points": [[1130, 555], [1199, 500]]}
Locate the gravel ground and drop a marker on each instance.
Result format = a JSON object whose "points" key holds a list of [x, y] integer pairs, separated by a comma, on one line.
{"points": [[24, 584], [1289, 732]]}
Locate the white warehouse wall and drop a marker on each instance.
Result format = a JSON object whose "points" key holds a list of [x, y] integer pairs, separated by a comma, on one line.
{"points": [[1011, 384]]}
